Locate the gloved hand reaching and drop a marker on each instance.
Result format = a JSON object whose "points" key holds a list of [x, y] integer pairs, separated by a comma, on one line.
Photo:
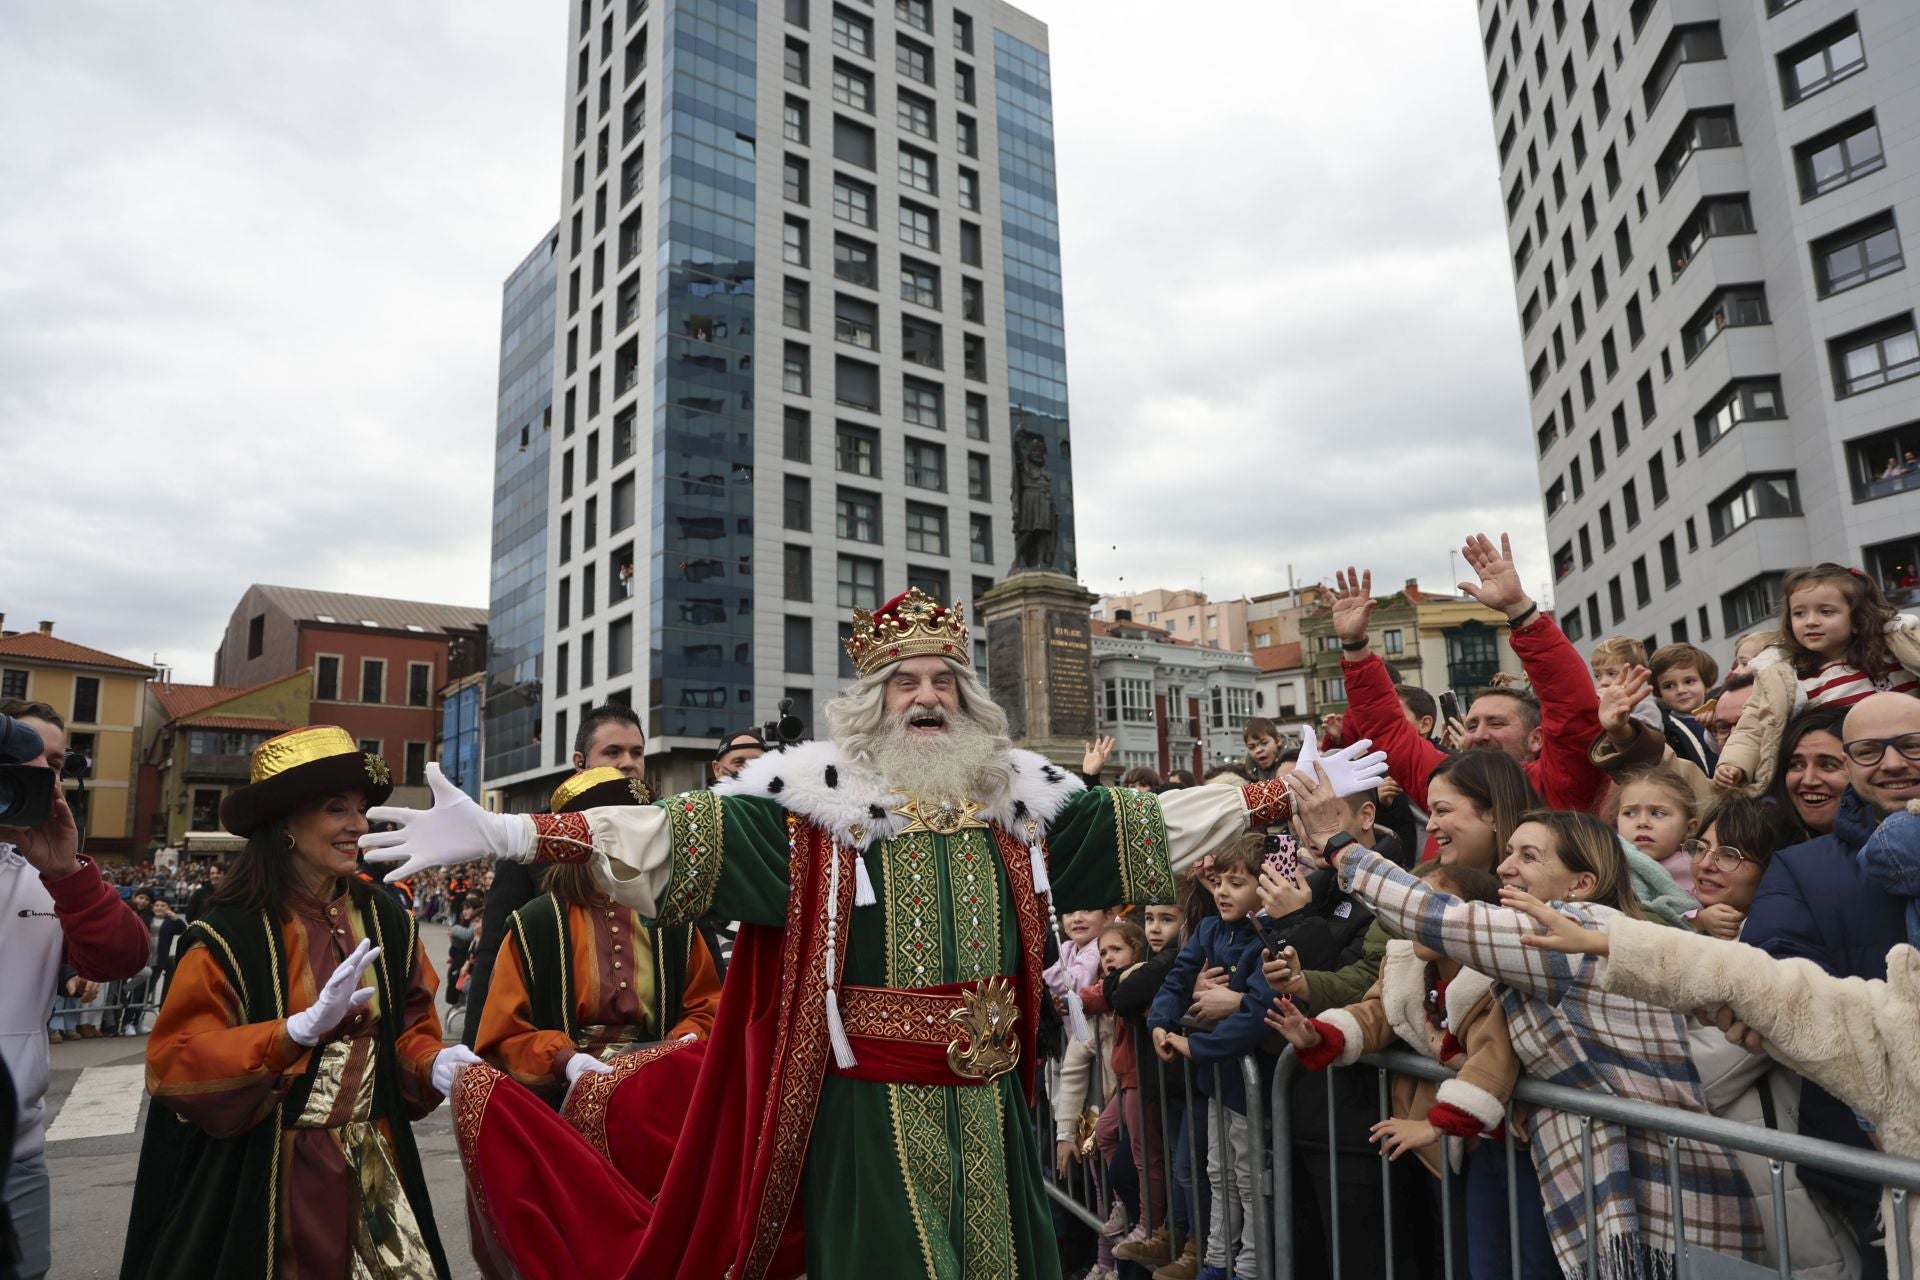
{"points": [[1351, 768], [455, 830], [341, 996], [447, 1064], [585, 1064]]}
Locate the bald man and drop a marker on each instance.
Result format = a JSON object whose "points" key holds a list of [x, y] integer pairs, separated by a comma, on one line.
{"points": [[1814, 903]]}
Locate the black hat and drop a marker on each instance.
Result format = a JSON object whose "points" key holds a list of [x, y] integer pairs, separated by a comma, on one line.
{"points": [[294, 768], [735, 741], [598, 788]]}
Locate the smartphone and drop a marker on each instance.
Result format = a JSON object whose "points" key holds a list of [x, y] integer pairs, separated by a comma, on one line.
{"points": [[1283, 853], [1449, 708], [1270, 939]]}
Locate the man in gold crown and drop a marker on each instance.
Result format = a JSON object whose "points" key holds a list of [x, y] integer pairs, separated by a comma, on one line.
{"points": [[862, 1105]]}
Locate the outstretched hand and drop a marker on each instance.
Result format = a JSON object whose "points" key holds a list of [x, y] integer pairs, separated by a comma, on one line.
{"points": [[1563, 932], [455, 830], [1294, 1026], [1352, 604], [1499, 586], [1618, 700], [1094, 757]]}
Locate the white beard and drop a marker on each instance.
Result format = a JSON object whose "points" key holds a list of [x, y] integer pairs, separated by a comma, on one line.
{"points": [[952, 765]]}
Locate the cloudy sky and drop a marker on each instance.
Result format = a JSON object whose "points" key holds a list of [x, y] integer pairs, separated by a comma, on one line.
{"points": [[249, 312]]}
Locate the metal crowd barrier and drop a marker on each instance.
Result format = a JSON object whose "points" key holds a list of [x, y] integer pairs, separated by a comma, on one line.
{"points": [[1086, 1196], [115, 1008]]}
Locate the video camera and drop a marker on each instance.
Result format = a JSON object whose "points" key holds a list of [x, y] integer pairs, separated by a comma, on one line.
{"points": [[785, 728], [26, 790]]}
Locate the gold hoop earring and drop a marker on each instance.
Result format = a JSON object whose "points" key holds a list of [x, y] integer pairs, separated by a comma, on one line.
{"points": [[286, 841]]}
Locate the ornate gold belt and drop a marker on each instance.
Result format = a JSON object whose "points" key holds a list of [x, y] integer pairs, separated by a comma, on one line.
{"points": [[962, 1033]]}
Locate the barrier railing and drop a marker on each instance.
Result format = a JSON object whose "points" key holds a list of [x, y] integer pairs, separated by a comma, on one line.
{"points": [[1270, 1169]]}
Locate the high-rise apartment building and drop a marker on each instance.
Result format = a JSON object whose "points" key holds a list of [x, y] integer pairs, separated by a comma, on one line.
{"points": [[1707, 204], [808, 307], [511, 706]]}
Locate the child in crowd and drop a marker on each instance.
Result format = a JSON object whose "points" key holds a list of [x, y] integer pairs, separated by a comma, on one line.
{"points": [[1449, 1013], [1655, 811], [1129, 994], [1228, 941], [1264, 746], [1749, 647], [1123, 946], [1840, 641], [1614, 661], [1079, 964], [1682, 676]]}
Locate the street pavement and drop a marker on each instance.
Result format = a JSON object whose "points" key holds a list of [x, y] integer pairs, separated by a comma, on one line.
{"points": [[97, 1106]]}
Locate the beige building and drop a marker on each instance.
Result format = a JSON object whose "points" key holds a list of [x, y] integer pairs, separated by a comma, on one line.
{"points": [[1184, 615], [1274, 618], [103, 700]]}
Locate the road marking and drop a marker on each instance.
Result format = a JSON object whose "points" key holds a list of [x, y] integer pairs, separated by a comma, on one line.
{"points": [[104, 1102]]}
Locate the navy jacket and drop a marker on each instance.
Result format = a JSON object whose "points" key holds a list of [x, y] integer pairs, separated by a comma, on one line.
{"points": [[1236, 948], [1814, 904]]}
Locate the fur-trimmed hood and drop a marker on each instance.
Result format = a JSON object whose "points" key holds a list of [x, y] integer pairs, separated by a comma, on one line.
{"points": [[816, 781], [1403, 996]]}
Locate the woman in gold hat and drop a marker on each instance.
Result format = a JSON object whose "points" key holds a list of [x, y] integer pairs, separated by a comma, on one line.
{"points": [[297, 1044], [580, 978]]}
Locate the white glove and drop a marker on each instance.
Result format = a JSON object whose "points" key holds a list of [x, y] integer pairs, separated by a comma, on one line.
{"points": [[455, 830], [585, 1064], [341, 996], [1309, 750], [447, 1064], [1351, 769]]}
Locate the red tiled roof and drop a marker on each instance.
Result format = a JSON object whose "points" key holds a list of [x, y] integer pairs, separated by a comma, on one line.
{"points": [[34, 646], [1277, 657], [241, 722], [178, 701]]}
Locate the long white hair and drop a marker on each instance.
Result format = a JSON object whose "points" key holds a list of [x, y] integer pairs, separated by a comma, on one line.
{"points": [[970, 759]]}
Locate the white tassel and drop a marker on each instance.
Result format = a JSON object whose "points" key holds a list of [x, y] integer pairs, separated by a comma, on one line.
{"points": [[1040, 882], [1077, 1017], [837, 1032], [862, 883]]}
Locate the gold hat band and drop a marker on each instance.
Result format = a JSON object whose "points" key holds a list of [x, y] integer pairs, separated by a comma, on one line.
{"points": [[581, 783], [302, 746]]}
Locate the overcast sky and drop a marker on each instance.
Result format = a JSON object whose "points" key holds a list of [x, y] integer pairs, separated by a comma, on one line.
{"points": [[250, 304]]}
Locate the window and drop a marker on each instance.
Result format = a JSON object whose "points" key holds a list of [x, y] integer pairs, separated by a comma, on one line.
{"points": [[373, 680], [857, 583], [1753, 602], [920, 282], [1630, 503], [926, 529], [419, 684], [852, 87], [796, 504], [1699, 131], [976, 416], [1714, 216], [858, 515], [854, 34], [1873, 357], [919, 226], [565, 601], [856, 384], [86, 700], [856, 450], [1616, 600], [256, 635], [793, 180], [979, 477], [1840, 155], [798, 644], [1733, 307], [1854, 255], [926, 465], [852, 201], [796, 13], [920, 342], [980, 539], [923, 403], [1740, 400], [970, 244], [793, 303], [913, 60], [1556, 496], [795, 376], [854, 321], [1821, 60], [1570, 625], [915, 115], [917, 14], [1894, 565], [853, 143], [794, 120], [973, 302], [969, 190], [962, 33], [416, 765], [1126, 701], [1609, 358], [1642, 588], [1657, 478], [1885, 463], [917, 170], [853, 261], [1586, 548], [967, 135], [796, 63], [1690, 42], [1757, 497]]}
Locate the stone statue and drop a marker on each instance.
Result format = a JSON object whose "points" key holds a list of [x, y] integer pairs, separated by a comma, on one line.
{"points": [[1036, 520]]}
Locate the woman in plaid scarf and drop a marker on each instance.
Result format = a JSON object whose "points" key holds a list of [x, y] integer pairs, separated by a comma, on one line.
{"points": [[1569, 1031]]}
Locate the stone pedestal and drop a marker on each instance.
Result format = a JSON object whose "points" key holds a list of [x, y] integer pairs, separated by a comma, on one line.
{"points": [[1040, 660]]}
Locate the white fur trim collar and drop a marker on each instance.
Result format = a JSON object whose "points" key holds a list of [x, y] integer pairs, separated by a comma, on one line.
{"points": [[1403, 996], [817, 782]]}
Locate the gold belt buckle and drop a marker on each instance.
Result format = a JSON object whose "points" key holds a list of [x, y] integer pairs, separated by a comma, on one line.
{"points": [[987, 1048]]}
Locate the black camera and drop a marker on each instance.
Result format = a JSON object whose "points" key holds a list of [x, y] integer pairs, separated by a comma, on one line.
{"points": [[26, 790], [785, 728]]}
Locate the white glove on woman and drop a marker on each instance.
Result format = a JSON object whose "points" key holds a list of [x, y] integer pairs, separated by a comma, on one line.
{"points": [[447, 1064], [1309, 750], [1351, 769], [585, 1064], [342, 995], [455, 830]]}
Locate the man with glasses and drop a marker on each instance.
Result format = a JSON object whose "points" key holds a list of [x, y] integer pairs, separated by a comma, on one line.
{"points": [[1814, 903]]}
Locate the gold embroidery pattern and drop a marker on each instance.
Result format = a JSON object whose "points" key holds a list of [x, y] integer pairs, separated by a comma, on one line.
{"points": [[695, 833], [1268, 803], [987, 1213], [892, 1014], [925, 1151], [975, 897], [471, 1089], [913, 911], [1140, 839], [561, 837], [586, 1106], [1030, 916]]}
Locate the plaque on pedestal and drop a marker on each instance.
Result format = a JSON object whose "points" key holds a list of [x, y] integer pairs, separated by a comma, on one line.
{"points": [[1040, 660]]}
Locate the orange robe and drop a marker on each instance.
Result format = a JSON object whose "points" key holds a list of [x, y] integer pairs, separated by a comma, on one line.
{"points": [[612, 988], [226, 1075]]}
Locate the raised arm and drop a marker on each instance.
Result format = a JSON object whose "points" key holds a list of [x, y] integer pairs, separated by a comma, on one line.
{"points": [[1373, 708]]}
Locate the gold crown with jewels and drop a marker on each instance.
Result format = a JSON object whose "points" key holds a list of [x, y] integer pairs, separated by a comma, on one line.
{"points": [[911, 625]]}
